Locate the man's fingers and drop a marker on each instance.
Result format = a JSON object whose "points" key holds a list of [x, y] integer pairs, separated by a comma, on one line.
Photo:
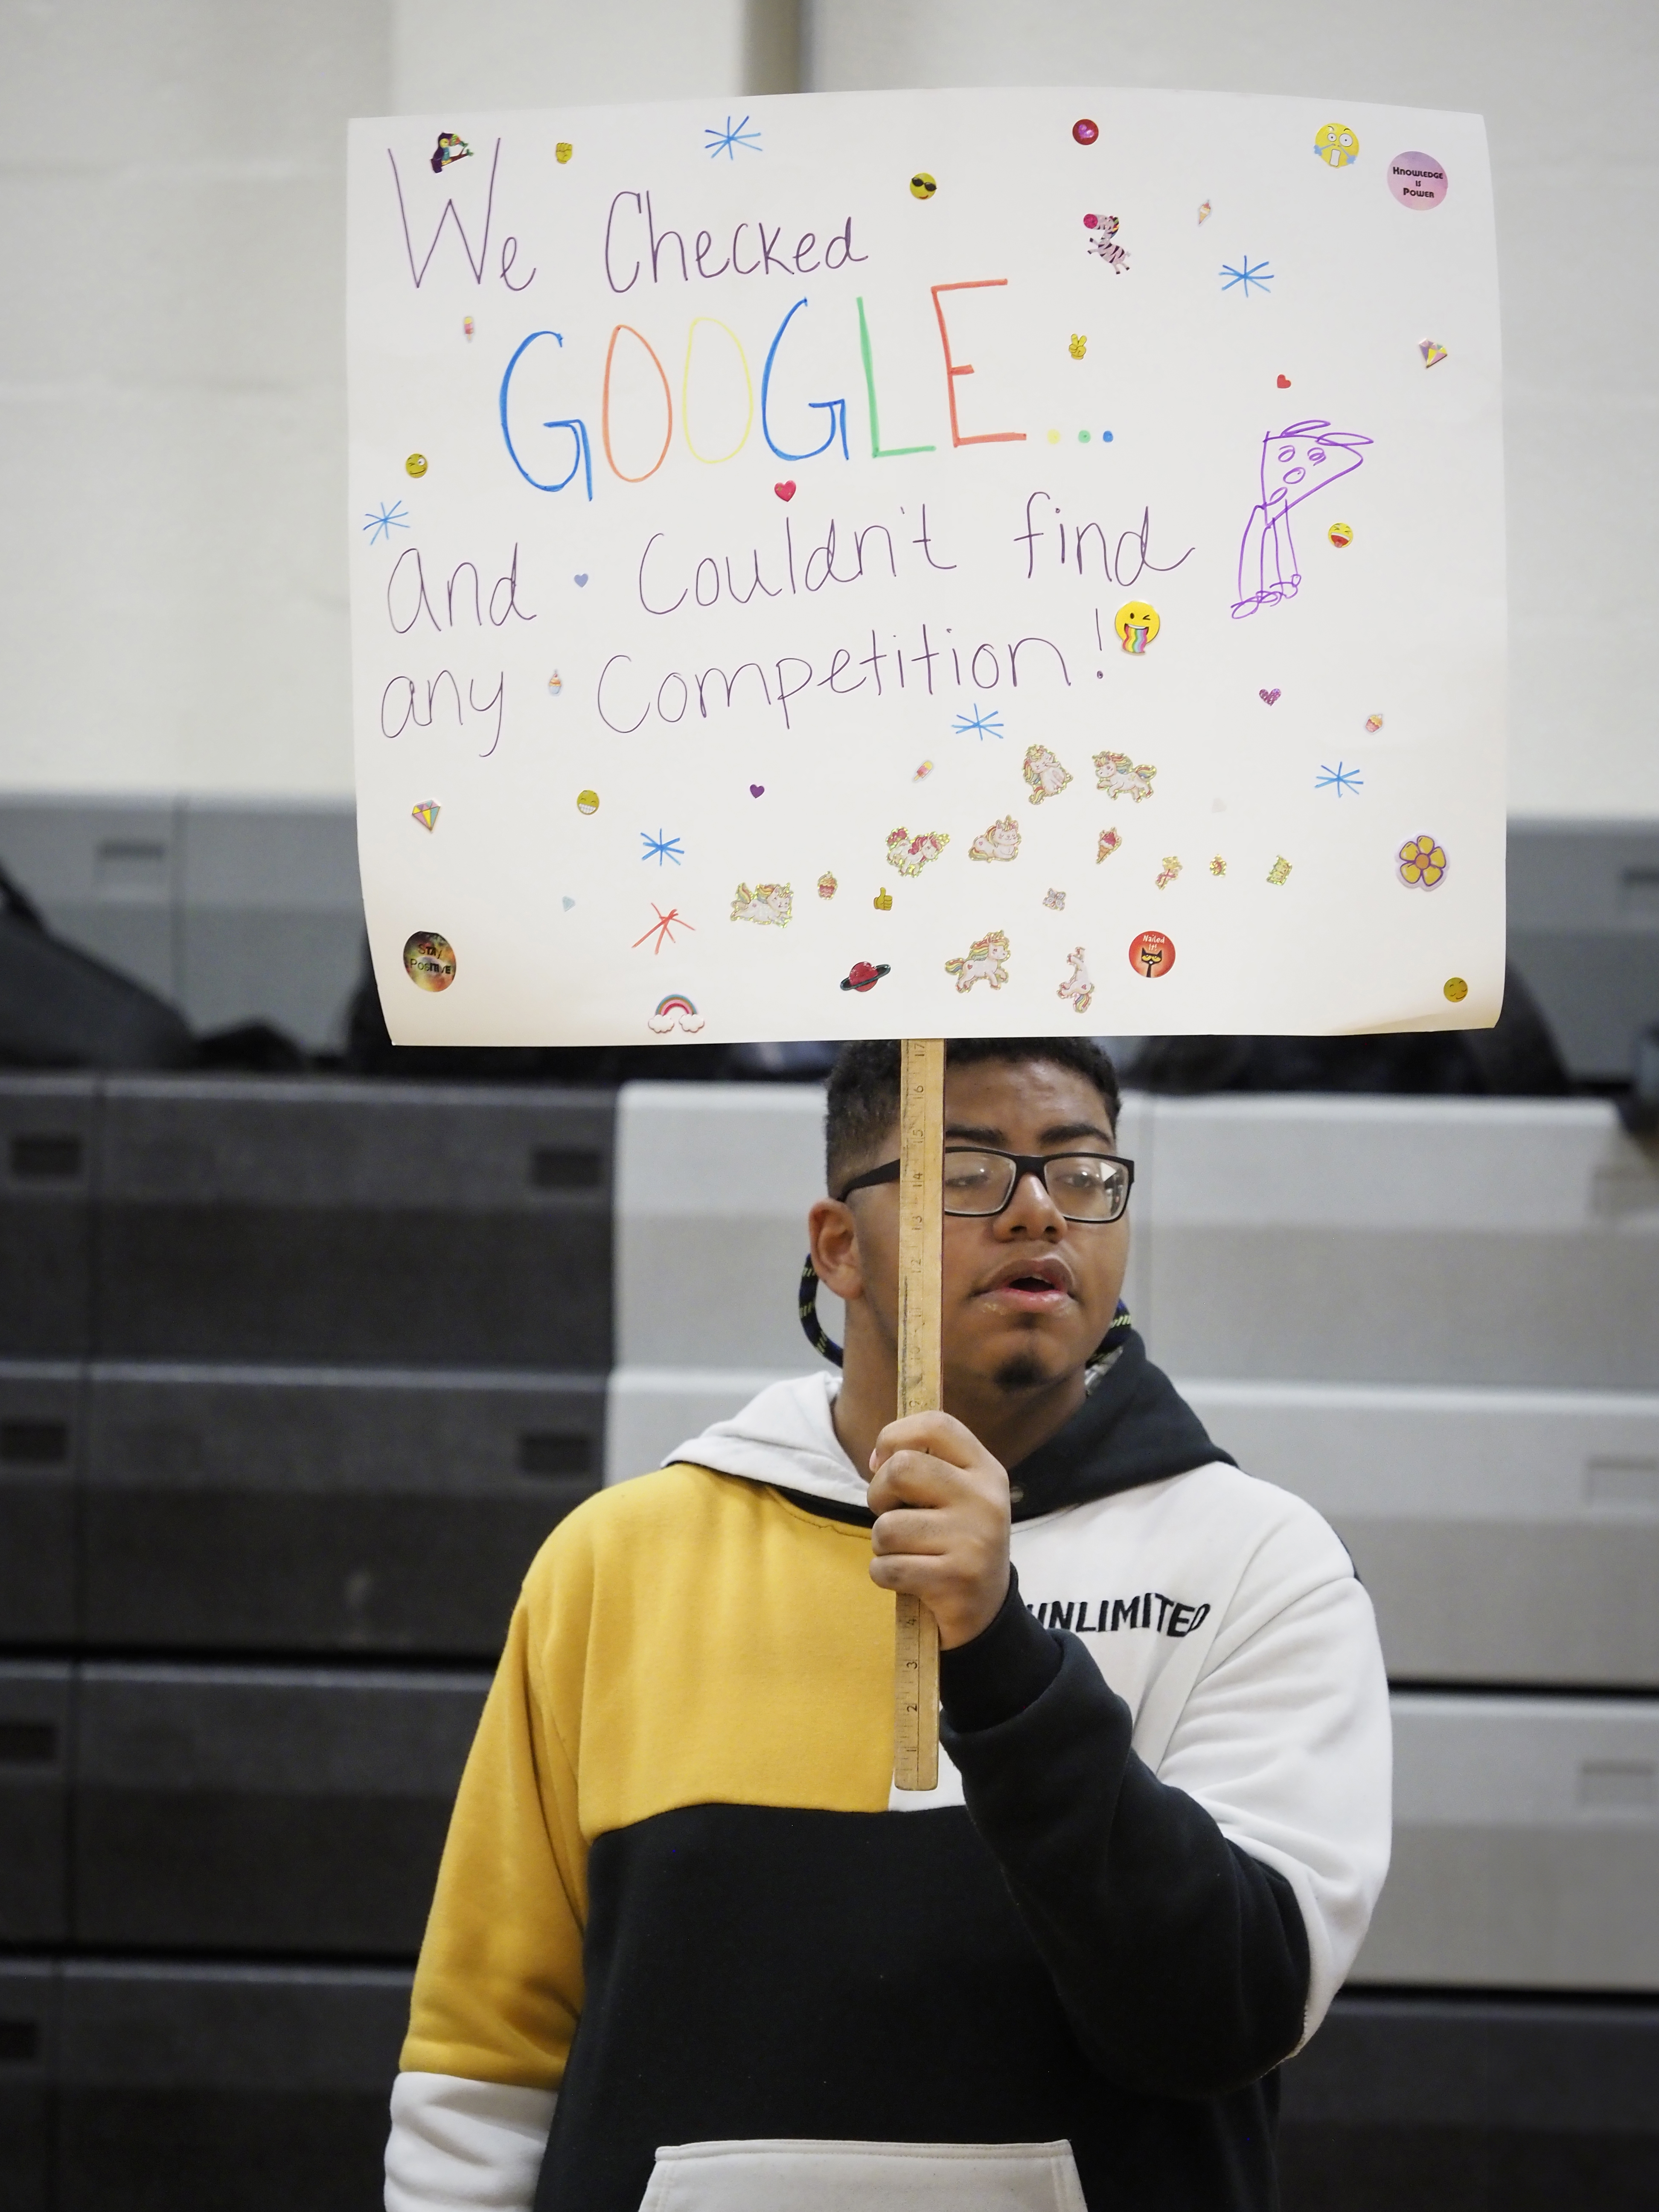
{"points": [[914, 1478], [922, 1535], [940, 1434]]}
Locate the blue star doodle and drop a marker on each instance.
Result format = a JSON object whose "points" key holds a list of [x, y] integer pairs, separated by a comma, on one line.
{"points": [[1338, 779], [661, 849], [980, 726], [1248, 272], [383, 524], [727, 142]]}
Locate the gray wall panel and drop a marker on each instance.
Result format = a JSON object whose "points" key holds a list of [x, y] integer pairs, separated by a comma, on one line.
{"points": [[225, 2088], [1505, 1535], [28, 2011], [346, 1222], [265, 1809], [41, 1431], [34, 1769], [1526, 1846], [47, 1146], [309, 1509]]}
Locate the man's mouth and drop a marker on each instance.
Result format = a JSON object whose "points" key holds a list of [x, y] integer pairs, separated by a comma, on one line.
{"points": [[1040, 1287]]}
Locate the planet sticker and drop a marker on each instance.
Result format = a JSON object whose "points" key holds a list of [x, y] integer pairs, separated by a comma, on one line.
{"points": [[1341, 534], [1152, 955], [862, 975], [1085, 130], [1137, 624], [1336, 144], [429, 961], [922, 187], [416, 465], [1417, 180], [587, 802]]}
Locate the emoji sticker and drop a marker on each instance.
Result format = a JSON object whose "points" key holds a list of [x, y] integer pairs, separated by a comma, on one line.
{"points": [[562, 154], [1000, 842], [1119, 777], [1152, 955], [1218, 866], [1077, 987], [587, 802], [827, 885], [910, 855], [1168, 872], [1432, 352], [426, 813], [1137, 624], [1373, 723], [1270, 698], [1341, 534], [766, 902], [429, 961], [786, 490], [674, 1012], [1422, 862], [863, 976], [927, 768], [757, 791], [1456, 989], [1417, 180], [922, 187], [1047, 778], [556, 682], [1076, 349], [468, 327], [1336, 145], [982, 962], [1056, 900], [416, 465], [1203, 212], [883, 902], [449, 149], [1085, 130], [1280, 871], [1109, 842]]}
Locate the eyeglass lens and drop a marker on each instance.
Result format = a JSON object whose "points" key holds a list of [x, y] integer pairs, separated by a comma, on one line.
{"points": [[1083, 1185]]}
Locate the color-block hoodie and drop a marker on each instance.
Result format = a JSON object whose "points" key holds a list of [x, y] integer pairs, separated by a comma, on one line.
{"points": [[684, 1922]]}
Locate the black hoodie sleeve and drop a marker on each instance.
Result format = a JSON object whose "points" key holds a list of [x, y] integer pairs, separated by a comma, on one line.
{"points": [[1181, 1961]]}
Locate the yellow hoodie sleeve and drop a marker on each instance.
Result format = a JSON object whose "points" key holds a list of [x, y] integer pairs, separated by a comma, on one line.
{"points": [[499, 1987]]}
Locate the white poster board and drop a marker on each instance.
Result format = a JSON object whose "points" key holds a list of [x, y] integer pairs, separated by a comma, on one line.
{"points": [[928, 564]]}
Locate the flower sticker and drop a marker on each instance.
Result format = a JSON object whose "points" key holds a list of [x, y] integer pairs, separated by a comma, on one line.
{"points": [[1422, 862]]}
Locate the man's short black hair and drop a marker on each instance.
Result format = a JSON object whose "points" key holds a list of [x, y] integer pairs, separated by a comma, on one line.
{"points": [[863, 1104]]}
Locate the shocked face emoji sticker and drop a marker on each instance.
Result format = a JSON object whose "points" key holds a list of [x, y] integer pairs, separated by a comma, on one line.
{"points": [[1335, 144], [1137, 625]]}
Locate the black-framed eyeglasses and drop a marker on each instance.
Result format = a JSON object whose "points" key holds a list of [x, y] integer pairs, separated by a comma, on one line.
{"points": [[1085, 1187]]}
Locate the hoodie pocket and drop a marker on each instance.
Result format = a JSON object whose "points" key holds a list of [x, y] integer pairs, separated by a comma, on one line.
{"points": [[863, 2176]]}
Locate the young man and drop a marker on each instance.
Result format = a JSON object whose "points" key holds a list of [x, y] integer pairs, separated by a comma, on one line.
{"points": [[684, 1921]]}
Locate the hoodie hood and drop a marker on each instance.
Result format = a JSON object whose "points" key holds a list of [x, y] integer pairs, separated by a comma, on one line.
{"points": [[1133, 1427]]}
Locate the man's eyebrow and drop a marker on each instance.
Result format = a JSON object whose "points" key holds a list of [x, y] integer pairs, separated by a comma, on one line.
{"points": [[1062, 1133]]}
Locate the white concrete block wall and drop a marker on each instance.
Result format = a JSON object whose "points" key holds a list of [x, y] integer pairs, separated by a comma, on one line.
{"points": [[172, 606]]}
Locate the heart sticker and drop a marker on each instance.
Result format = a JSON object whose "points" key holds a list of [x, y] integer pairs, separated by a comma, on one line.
{"points": [[1269, 698], [755, 789], [786, 489], [1283, 383], [578, 581]]}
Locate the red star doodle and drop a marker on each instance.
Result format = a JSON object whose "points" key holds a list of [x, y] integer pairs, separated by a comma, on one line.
{"points": [[663, 926]]}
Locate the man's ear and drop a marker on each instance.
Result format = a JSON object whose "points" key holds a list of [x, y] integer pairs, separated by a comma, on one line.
{"points": [[832, 1238]]}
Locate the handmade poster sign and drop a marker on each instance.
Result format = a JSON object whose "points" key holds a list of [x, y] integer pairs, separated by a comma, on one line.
{"points": [[928, 564]]}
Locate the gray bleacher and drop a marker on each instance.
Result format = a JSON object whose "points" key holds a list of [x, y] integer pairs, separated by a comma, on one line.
{"points": [[295, 1374]]}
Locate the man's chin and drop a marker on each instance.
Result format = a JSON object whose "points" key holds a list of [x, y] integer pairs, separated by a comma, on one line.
{"points": [[1023, 1371]]}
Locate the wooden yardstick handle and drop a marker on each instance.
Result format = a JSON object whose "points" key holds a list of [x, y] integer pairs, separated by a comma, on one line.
{"points": [[921, 1174]]}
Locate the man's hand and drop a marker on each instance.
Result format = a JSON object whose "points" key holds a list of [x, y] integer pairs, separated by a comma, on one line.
{"points": [[941, 1532]]}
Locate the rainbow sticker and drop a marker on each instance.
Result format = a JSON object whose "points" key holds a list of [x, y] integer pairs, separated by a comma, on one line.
{"points": [[674, 1011]]}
